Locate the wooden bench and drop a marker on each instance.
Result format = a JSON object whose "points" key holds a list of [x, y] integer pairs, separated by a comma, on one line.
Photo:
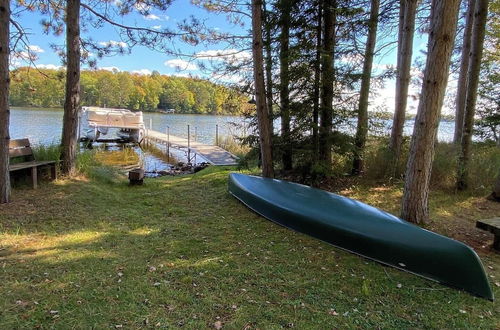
{"points": [[21, 150], [493, 226]]}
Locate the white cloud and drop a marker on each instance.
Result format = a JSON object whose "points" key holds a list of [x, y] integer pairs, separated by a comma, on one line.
{"points": [[142, 7], [145, 72], [166, 18], [179, 64], [35, 49], [156, 27], [113, 43], [49, 66], [151, 17], [232, 56], [109, 68], [182, 74]]}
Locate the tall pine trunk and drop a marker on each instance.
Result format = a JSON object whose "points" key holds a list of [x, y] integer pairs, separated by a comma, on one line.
{"points": [[327, 80], [4, 101], [317, 77], [362, 126], [284, 6], [269, 67], [477, 42], [462, 77], [443, 25], [408, 9], [69, 142], [260, 91]]}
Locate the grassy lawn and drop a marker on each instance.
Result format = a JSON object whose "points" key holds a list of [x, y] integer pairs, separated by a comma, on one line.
{"points": [[180, 251]]}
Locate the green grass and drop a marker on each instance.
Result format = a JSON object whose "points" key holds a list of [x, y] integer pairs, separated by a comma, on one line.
{"points": [[180, 251]]}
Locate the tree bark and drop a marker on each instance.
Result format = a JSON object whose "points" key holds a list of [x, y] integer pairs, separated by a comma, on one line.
{"points": [[444, 16], [327, 80], [317, 77], [69, 141], [362, 125], [269, 68], [462, 77], [284, 83], [495, 195], [477, 42], [4, 101], [408, 9], [260, 92]]}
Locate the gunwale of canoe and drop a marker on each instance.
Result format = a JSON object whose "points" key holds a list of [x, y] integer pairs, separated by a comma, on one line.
{"points": [[363, 230]]}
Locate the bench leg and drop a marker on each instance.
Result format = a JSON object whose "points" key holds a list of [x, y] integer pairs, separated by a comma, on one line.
{"points": [[53, 172], [496, 242], [34, 177]]}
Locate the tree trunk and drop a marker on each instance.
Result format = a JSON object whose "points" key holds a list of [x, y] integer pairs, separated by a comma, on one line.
{"points": [[284, 83], [269, 68], [327, 80], [495, 195], [317, 77], [408, 9], [477, 42], [443, 25], [69, 141], [362, 127], [462, 77], [260, 92], [4, 101]]}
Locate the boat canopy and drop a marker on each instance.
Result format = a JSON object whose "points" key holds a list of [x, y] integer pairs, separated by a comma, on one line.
{"points": [[118, 118]]}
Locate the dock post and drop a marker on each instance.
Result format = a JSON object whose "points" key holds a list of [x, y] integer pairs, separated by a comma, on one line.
{"points": [[189, 146], [217, 135], [196, 133], [168, 143], [151, 123]]}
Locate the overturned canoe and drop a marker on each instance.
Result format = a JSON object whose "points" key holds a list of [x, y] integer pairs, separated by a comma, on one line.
{"points": [[364, 230]]}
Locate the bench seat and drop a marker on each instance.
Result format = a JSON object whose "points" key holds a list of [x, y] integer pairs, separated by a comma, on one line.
{"points": [[21, 151]]}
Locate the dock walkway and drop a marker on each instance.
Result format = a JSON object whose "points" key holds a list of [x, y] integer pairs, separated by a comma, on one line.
{"points": [[213, 154]]}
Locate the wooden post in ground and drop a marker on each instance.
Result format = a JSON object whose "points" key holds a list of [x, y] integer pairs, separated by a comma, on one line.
{"points": [[216, 135], [189, 145]]}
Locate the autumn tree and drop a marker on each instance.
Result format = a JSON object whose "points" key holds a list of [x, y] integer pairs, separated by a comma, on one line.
{"points": [[444, 16]]}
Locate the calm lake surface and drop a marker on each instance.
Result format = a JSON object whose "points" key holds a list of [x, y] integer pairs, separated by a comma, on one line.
{"points": [[44, 126]]}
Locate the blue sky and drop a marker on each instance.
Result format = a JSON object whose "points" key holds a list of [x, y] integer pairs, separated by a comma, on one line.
{"points": [[143, 60]]}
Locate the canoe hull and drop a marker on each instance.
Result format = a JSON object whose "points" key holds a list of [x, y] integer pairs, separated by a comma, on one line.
{"points": [[363, 230]]}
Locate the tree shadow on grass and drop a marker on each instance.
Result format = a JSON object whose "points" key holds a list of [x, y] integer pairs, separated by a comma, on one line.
{"points": [[182, 252]]}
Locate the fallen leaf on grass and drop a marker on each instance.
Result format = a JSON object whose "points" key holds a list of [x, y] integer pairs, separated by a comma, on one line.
{"points": [[333, 312], [218, 325]]}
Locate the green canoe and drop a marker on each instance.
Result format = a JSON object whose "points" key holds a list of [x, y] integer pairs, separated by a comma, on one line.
{"points": [[364, 230]]}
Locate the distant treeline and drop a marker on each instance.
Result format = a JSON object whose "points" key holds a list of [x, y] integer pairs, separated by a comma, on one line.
{"points": [[45, 88]]}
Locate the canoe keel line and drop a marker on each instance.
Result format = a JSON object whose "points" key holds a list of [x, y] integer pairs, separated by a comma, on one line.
{"points": [[363, 230]]}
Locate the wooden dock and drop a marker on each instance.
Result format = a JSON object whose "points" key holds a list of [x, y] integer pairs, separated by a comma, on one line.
{"points": [[213, 154]]}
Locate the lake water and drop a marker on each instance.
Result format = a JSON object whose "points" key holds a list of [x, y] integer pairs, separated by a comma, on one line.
{"points": [[44, 126]]}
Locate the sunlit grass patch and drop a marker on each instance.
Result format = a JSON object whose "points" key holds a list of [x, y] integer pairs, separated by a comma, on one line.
{"points": [[124, 157]]}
